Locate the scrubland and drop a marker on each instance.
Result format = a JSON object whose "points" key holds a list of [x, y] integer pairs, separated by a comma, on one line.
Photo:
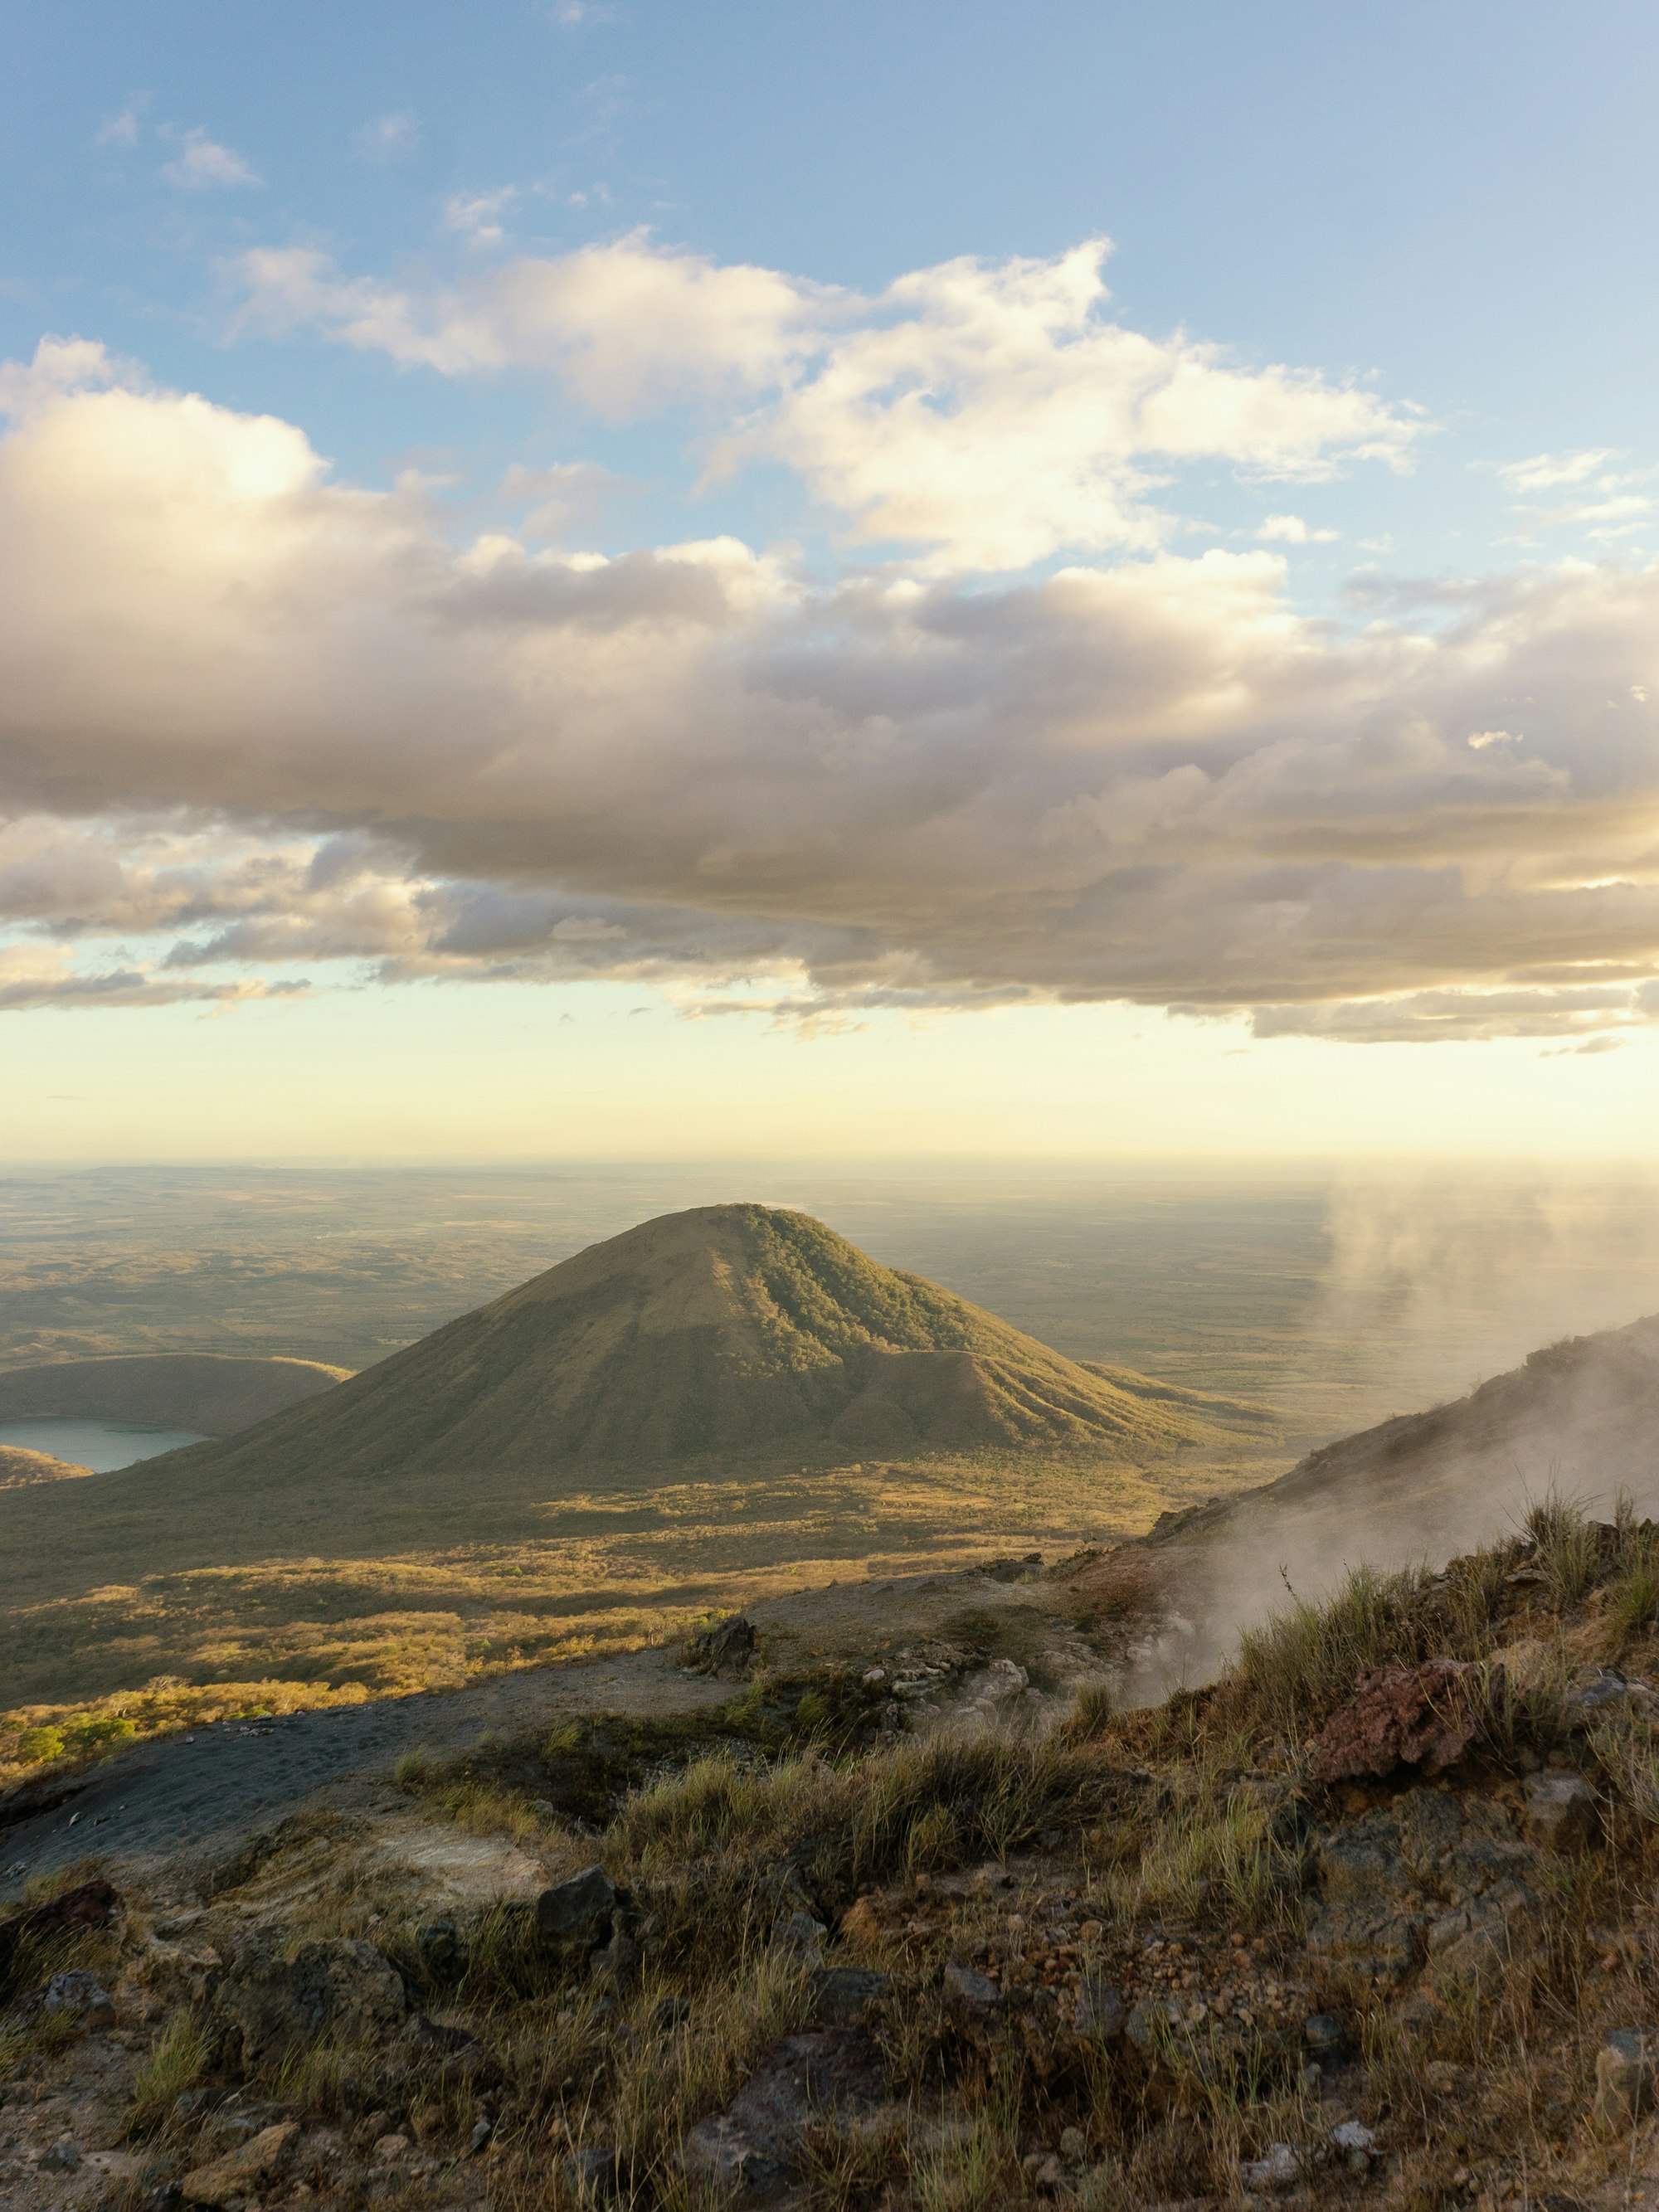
{"points": [[599, 1572], [1188, 1955]]}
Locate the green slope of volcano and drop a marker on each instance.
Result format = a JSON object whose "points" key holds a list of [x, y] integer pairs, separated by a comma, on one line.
{"points": [[725, 1329]]}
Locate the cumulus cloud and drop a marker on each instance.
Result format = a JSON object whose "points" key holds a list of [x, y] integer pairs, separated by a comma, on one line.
{"points": [[252, 718], [202, 165], [1291, 530], [991, 415]]}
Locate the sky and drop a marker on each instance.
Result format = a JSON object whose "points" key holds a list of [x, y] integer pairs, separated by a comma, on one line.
{"points": [[1067, 581]]}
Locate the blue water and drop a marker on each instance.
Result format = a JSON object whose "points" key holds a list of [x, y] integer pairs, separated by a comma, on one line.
{"points": [[99, 1445]]}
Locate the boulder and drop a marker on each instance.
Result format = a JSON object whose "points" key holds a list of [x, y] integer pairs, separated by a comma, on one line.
{"points": [[577, 1914], [1560, 1812], [80, 1997], [331, 1988], [749, 2150], [800, 1932], [1399, 1716], [845, 1997], [243, 2171], [62, 2157], [725, 1650], [1426, 1873], [973, 1997], [1604, 1694]]}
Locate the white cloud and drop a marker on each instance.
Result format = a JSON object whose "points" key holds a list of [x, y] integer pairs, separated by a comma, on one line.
{"points": [[1291, 530], [1547, 471], [990, 415], [626, 328], [315, 733], [121, 128], [1478, 740], [202, 165], [477, 216]]}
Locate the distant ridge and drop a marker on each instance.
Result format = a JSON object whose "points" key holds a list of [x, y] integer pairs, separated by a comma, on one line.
{"points": [[19, 1469], [725, 1329], [214, 1393]]}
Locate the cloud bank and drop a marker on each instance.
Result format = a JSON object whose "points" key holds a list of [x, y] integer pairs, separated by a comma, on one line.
{"points": [[259, 727]]}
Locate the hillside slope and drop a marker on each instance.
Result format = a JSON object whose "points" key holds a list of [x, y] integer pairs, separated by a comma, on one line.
{"points": [[728, 1329], [1578, 1420], [20, 1468], [215, 1394]]}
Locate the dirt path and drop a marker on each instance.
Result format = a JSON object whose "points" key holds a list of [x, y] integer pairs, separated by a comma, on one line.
{"points": [[183, 1794]]}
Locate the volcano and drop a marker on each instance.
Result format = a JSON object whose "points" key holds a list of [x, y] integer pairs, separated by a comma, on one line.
{"points": [[727, 1329]]}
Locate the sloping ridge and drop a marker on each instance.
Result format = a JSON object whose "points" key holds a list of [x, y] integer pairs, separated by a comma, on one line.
{"points": [[1580, 1418], [215, 1393], [724, 1329]]}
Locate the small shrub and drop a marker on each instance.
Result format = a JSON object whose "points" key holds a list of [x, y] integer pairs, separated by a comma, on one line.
{"points": [[38, 1745], [177, 2060]]}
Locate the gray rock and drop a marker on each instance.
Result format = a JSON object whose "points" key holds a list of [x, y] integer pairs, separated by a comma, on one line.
{"points": [[79, 1996], [1623, 2076], [1560, 1812], [1606, 1695], [725, 1650], [332, 1987], [617, 1963], [973, 1997], [1322, 2033], [1425, 1873], [1149, 2023], [443, 1950], [1100, 2014], [594, 2175], [1354, 2143], [63, 2157], [844, 1996], [578, 1913], [750, 2149], [423, 2045], [1272, 2175], [800, 1931]]}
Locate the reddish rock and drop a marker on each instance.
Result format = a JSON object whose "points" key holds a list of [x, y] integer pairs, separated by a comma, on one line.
{"points": [[1399, 1717]]}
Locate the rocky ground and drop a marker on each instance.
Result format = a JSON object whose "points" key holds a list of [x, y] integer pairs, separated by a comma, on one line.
{"points": [[917, 1920]]}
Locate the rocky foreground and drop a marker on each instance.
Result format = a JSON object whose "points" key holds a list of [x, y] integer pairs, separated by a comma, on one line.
{"points": [[1370, 1920]]}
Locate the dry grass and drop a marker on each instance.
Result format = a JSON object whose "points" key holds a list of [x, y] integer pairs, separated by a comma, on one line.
{"points": [[1165, 1822], [599, 1572]]}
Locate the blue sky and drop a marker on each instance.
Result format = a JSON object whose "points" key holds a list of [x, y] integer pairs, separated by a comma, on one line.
{"points": [[549, 503], [1456, 200]]}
